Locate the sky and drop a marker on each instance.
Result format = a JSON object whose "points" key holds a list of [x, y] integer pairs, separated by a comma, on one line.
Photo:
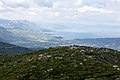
{"points": [[73, 12], [99, 11]]}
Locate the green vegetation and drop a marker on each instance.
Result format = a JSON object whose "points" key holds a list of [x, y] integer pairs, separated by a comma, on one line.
{"points": [[6, 48], [62, 63]]}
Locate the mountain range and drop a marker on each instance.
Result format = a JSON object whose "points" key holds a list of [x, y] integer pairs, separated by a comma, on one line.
{"points": [[23, 33], [36, 36]]}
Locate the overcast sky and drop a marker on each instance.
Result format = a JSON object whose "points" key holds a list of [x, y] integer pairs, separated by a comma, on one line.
{"points": [[90, 12], [99, 11]]}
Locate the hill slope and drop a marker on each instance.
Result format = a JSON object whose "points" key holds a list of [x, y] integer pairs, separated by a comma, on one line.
{"points": [[62, 63], [6, 48]]}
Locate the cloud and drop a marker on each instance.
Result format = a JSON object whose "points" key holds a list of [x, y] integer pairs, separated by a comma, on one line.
{"points": [[16, 3], [95, 14], [27, 3], [62, 10], [93, 9], [79, 2], [44, 3]]}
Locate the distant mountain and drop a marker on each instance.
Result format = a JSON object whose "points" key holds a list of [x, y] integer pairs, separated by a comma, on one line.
{"points": [[23, 25], [24, 33], [6, 48], [113, 43], [27, 34], [62, 63]]}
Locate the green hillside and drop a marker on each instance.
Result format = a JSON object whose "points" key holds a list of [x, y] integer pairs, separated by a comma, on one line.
{"points": [[62, 63], [6, 48]]}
